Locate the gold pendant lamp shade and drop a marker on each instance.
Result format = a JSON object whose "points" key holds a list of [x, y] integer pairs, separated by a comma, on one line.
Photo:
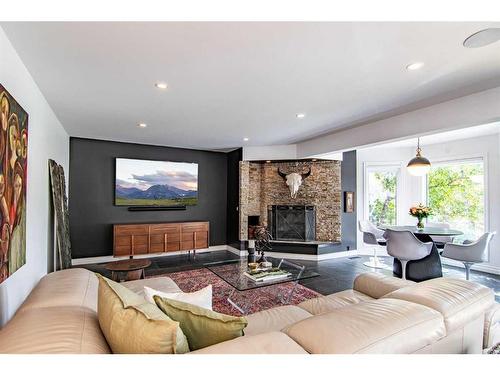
{"points": [[419, 166]]}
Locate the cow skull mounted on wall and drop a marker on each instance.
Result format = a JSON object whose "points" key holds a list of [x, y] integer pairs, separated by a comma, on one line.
{"points": [[294, 180]]}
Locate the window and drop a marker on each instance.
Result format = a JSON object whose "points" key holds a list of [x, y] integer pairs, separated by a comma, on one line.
{"points": [[381, 188], [455, 192]]}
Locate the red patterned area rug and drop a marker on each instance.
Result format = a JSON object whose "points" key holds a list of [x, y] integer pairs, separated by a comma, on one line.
{"points": [[254, 300]]}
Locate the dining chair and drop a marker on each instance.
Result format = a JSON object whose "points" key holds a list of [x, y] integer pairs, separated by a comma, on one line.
{"points": [[440, 241], [470, 253], [404, 246], [372, 236]]}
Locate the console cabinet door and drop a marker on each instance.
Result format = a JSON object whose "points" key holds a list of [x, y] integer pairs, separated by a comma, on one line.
{"points": [[135, 239], [131, 239], [165, 237], [194, 236]]}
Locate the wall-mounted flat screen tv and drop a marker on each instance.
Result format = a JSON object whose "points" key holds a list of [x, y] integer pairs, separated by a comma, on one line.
{"points": [[155, 183]]}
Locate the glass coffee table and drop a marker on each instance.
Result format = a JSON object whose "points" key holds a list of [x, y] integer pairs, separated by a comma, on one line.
{"points": [[233, 273]]}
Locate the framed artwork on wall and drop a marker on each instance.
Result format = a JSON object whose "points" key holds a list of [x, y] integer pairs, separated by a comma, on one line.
{"points": [[349, 201], [13, 174]]}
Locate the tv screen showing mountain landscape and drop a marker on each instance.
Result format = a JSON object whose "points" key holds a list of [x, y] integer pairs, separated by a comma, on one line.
{"points": [[155, 183]]}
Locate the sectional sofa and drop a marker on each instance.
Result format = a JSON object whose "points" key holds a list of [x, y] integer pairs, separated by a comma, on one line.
{"points": [[379, 315]]}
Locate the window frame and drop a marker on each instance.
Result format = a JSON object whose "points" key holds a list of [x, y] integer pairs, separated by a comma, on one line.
{"points": [[462, 159], [367, 167]]}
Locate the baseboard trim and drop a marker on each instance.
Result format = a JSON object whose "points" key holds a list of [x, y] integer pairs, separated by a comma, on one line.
{"points": [[111, 258]]}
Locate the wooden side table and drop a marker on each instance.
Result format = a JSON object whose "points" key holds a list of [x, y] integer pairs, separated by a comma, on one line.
{"points": [[128, 269]]}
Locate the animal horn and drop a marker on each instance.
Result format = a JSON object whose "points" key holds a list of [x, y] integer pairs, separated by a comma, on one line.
{"points": [[307, 174], [282, 174]]}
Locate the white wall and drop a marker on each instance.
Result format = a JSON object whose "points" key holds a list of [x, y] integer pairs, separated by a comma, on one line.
{"points": [[411, 189], [46, 139]]}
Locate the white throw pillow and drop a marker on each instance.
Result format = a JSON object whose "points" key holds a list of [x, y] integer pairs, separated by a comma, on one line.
{"points": [[202, 297]]}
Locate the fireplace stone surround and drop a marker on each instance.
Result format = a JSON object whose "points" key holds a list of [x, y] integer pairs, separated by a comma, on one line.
{"points": [[261, 187]]}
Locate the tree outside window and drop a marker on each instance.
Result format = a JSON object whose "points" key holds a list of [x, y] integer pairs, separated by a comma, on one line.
{"points": [[455, 192], [381, 189]]}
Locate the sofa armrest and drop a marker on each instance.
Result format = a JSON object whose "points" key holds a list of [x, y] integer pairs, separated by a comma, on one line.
{"points": [[492, 326], [377, 285]]}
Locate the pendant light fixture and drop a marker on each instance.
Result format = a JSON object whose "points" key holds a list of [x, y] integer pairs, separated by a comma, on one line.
{"points": [[419, 166]]}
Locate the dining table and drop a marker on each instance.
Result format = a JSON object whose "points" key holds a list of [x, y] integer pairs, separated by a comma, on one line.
{"points": [[429, 267]]}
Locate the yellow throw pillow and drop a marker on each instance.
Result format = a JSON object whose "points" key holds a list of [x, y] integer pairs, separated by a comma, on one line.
{"points": [[133, 326], [202, 327]]}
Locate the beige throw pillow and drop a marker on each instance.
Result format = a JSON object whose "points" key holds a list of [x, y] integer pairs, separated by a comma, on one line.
{"points": [[131, 325], [201, 326], [202, 297]]}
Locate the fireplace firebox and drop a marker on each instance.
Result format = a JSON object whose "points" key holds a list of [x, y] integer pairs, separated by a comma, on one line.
{"points": [[292, 222]]}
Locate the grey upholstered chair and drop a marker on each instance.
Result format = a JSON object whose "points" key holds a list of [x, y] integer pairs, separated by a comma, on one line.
{"points": [[372, 236], [404, 246], [470, 253], [440, 241]]}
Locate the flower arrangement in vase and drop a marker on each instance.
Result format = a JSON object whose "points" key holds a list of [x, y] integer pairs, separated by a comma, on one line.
{"points": [[420, 212]]}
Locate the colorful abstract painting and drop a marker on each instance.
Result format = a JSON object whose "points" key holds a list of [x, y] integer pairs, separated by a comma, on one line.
{"points": [[13, 174]]}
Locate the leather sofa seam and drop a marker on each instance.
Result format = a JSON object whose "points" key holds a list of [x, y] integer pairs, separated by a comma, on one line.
{"points": [[401, 330]]}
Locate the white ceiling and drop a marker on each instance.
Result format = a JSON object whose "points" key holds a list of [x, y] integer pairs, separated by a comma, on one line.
{"points": [[449, 136], [228, 81]]}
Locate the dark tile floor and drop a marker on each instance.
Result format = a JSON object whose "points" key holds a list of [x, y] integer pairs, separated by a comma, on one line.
{"points": [[335, 274]]}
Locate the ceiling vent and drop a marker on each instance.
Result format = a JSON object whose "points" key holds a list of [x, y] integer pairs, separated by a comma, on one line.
{"points": [[483, 38]]}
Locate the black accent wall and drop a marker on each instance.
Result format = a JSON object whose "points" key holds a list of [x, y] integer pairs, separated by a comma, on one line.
{"points": [[91, 192], [348, 182], [233, 198]]}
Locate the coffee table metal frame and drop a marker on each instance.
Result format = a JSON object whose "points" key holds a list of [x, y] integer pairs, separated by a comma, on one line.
{"points": [[241, 283]]}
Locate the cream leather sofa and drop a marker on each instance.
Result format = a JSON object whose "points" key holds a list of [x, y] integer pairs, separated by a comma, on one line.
{"points": [[379, 315]]}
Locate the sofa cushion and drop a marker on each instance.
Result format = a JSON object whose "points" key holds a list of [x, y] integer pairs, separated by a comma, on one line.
{"points": [[459, 301], [201, 297], [202, 327], [163, 284], [54, 330], [328, 303], [72, 287], [377, 285], [132, 325], [264, 343], [274, 319], [381, 326]]}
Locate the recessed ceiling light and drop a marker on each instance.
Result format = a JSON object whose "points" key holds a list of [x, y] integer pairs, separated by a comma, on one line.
{"points": [[161, 85], [414, 66], [246, 139], [483, 38], [301, 115], [142, 125], [268, 161]]}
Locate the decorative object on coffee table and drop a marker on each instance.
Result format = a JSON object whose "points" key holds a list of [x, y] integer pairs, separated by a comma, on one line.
{"points": [[262, 242], [128, 269], [420, 212], [61, 215]]}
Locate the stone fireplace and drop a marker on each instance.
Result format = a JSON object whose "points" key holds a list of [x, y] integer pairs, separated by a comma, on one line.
{"points": [[262, 188]]}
